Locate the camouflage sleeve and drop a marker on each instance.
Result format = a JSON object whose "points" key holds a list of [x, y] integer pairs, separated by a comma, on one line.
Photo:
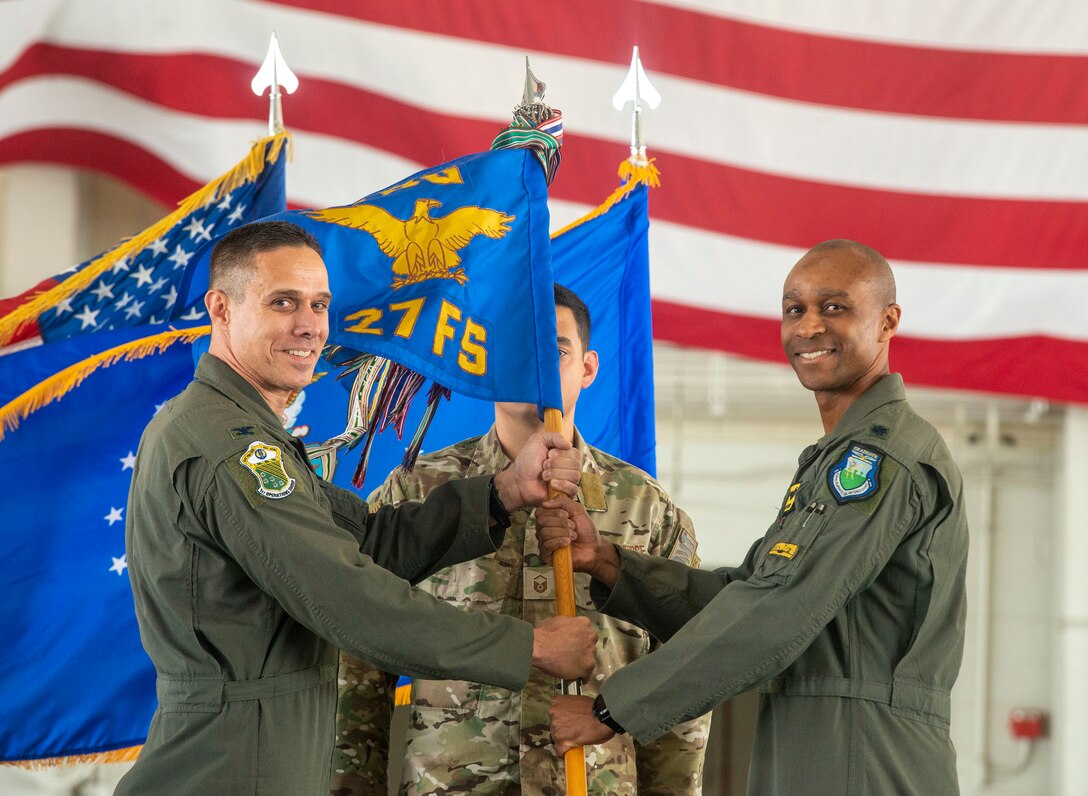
{"points": [[397, 487], [673, 764], [673, 536], [364, 709]]}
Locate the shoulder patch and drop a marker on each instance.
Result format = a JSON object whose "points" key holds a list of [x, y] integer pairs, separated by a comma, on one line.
{"points": [[266, 463], [856, 475], [241, 432], [684, 550]]}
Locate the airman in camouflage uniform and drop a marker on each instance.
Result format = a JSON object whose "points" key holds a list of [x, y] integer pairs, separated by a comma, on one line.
{"points": [[465, 737], [472, 738]]}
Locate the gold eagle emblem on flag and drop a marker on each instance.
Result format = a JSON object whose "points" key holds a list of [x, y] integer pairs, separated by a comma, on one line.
{"points": [[422, 247]]}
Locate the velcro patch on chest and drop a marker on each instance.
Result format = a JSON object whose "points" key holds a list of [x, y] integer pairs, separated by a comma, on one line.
{"points": [[266, 463], [784, 549], [856, 476]]}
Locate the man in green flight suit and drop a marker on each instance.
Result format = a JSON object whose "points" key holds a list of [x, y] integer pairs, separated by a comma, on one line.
{"points": [[849, 612], [466, 737], [249, 572]]}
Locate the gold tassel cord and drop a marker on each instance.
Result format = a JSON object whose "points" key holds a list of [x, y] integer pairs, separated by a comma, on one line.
{"points": [[265, 151], [633, 174], [60, 384], [126, 755]]}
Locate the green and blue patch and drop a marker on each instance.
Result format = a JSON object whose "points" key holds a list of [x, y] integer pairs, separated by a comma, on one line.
{"points": [[856, 476]]}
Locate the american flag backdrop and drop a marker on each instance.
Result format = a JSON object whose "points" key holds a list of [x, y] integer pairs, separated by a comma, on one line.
{"points": [[951, 135]]}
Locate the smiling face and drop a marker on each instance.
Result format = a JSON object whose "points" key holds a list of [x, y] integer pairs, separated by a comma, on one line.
{"points": [[837, 321], [273, 336]]}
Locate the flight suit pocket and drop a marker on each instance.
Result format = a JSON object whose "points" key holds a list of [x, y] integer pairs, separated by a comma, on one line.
{"points": [[783, 552]]}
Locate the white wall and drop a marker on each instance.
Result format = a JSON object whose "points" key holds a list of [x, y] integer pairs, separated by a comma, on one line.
{"points": [[39, 224], [53, 218], [1071, 604]]}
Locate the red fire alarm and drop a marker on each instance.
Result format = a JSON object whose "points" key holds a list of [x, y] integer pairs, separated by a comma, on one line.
{"points": [[1027, 723]]}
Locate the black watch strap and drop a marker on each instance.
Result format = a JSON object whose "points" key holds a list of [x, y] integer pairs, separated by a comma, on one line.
{"points": [[495, 507], [602, 714]]}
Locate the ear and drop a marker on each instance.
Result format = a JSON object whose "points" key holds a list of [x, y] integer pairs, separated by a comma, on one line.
{"points": [[890, 322], [590, 365], [218, 304]]}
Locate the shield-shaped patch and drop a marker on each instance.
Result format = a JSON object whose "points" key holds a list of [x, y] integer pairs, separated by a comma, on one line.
{"points": [[856, 476], [266, 463]]}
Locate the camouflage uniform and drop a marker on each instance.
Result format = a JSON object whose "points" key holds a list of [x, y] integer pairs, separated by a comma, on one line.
{"points": [[470, 738]]}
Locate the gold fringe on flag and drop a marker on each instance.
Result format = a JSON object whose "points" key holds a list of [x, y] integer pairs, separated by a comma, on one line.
{"points": [[632, 173], [60, 384], [126, 755], [266, 150]]}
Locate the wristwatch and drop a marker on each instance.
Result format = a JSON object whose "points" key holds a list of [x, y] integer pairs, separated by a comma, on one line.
{"points": [[495, 507], [602, 714]]}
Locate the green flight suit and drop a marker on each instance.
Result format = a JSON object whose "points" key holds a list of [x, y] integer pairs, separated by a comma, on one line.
{"points": [[248, 573], [848, 614]]}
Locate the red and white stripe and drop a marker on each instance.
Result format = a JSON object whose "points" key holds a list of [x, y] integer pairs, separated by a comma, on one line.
{"points": [[950, 135]]}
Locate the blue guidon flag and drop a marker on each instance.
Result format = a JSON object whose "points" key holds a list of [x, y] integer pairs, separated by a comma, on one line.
{"points": [[857, 474], [605, 261], [447, 272]]}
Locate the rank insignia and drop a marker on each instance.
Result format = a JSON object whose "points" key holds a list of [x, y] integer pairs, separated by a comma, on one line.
{"points": [[242, 431], [266, 463], [857, 474], [537, 583]]}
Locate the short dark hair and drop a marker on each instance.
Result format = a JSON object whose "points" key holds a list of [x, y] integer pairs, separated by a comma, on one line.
{"points": [[232, 258], [879, 270], [565, 297]]}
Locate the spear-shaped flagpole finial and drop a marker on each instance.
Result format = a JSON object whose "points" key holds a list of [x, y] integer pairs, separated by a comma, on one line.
{"points": [[534, 126], [637, 90], [534, 89], [275, 74]]}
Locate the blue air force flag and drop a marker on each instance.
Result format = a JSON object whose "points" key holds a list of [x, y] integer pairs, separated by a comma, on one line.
{"points": [[447, 272], [74, 678]]}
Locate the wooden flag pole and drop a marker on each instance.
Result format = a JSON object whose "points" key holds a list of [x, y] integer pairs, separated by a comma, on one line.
{"points": [[575, 759]]}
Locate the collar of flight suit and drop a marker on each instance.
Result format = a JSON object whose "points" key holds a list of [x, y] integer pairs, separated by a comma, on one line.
{"points": [[888, 389], [221, 377]]}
